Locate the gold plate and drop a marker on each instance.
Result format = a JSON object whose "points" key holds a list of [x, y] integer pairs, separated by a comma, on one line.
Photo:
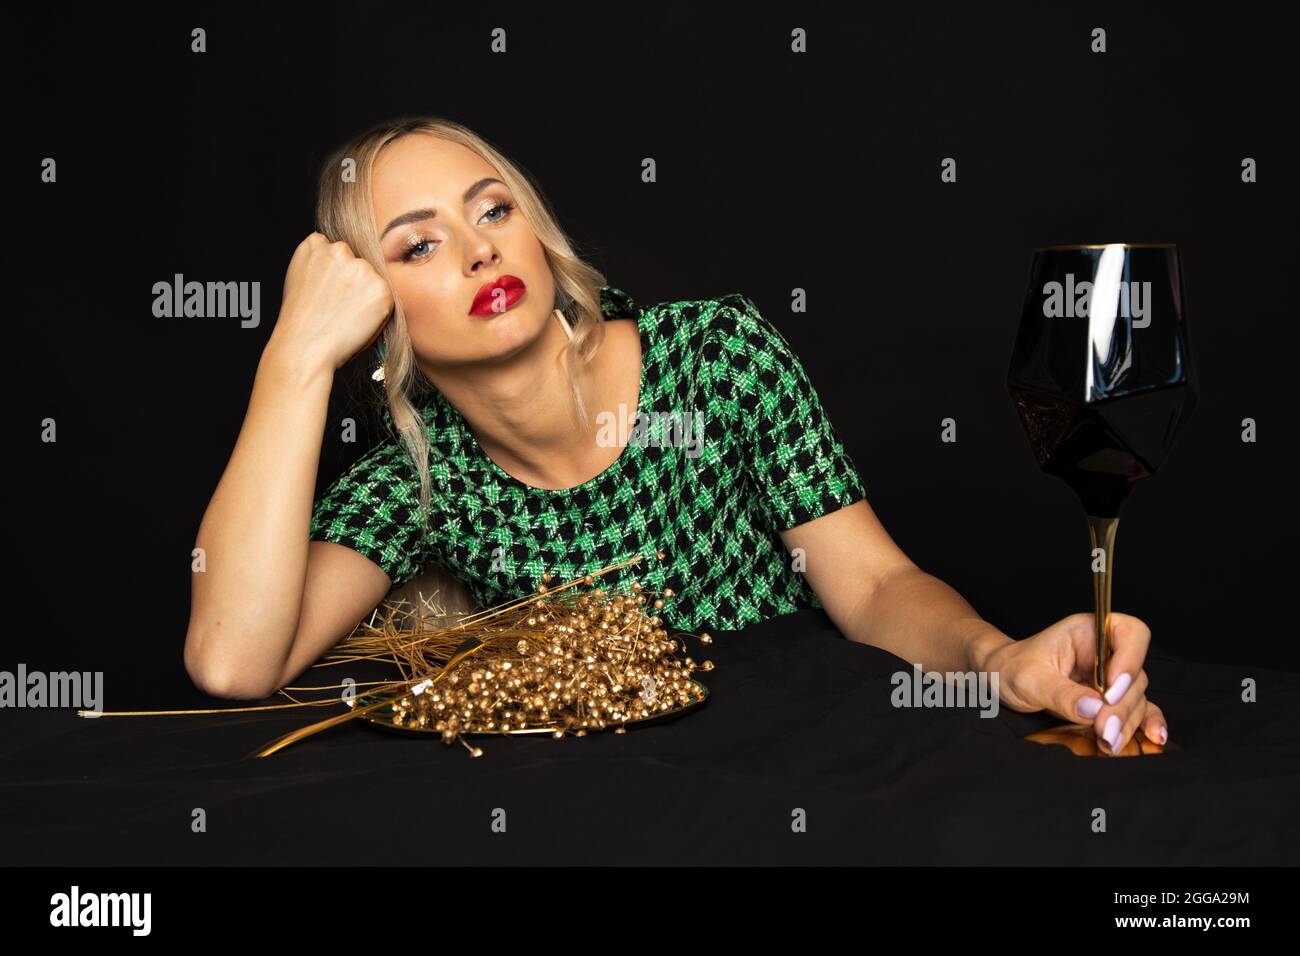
{"points": [[382, 718]]}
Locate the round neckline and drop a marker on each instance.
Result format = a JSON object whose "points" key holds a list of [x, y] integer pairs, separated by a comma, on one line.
{"points": [[615, 467]]}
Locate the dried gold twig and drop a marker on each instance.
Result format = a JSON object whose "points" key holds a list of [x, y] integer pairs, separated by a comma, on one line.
{"points": [[554, 661]]}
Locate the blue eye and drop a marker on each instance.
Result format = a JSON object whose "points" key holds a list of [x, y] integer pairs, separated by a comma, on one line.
{"points": [[506, 206], [416, 242]]}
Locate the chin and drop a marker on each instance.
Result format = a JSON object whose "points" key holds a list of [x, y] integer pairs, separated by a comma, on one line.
{"points": [[508, 332]]}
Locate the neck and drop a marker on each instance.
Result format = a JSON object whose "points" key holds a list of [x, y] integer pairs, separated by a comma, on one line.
{"points": [[522, 414]]}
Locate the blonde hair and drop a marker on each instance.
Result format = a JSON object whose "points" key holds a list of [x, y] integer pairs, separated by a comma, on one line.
{"points": [[345, 211]]}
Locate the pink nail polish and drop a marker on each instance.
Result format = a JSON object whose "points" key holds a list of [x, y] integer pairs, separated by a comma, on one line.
{"points": [[1112, 731], [1117, 689], [1089, 707], [1164, 736]]}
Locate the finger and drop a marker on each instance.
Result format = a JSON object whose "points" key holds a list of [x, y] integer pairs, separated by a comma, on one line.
{"points": [[1130, 726], [1129, 638], [1114, 738], [1155, 726], [1082, 631], [1116, 722], [1068, 699]]}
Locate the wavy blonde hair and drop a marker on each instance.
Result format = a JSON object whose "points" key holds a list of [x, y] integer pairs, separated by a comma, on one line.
{"points": [[345, 211]]}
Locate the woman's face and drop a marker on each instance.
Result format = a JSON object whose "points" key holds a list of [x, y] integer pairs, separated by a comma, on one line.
{"points": [[447, 228]]}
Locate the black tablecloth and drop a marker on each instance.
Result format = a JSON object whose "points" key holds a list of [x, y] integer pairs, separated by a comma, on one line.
{"points": [[798, 719]]}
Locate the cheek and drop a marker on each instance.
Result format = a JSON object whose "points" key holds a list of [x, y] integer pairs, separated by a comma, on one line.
{"points": [[427, 303], [521, 248]]}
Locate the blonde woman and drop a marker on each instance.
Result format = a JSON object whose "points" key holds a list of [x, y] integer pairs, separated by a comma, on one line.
{"points": [[512, 376]]}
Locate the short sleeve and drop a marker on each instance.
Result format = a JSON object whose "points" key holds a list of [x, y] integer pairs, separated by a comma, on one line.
{"points": [[791, 451], [373, 509]]}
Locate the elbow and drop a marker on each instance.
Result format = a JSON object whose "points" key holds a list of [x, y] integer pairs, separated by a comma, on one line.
{"points": [[215, 675]]}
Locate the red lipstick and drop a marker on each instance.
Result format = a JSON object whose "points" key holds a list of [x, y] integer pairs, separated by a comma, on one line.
{"points": [[487, 298]]}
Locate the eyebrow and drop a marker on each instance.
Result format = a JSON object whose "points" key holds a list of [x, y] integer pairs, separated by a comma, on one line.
{"points": [[420, 215]]}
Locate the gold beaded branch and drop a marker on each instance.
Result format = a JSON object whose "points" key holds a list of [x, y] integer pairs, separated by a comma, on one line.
{"points": [[565, 660]]}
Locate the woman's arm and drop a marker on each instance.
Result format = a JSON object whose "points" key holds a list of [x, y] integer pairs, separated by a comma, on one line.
{"points": [[247, 603], [876, 595], [246, 600]]}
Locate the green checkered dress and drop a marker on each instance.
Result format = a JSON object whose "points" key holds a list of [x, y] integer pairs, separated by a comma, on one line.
{"points": [[712, 499]]}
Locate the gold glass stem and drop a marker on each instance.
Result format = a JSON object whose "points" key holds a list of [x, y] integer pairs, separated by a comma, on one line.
{"points": [[1102, 532], [1082, 738]]}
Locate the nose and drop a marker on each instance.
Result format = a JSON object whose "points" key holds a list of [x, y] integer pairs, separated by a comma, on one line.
{"points": [[480, 253]]}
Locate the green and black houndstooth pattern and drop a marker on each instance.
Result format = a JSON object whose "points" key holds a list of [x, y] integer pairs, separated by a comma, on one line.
{"points": [[769, 460]]}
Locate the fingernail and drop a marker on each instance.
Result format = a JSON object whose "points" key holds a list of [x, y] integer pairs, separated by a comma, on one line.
{"points": [[1164, 735], [1117, 689], [1089, 706], [1112, 731]]}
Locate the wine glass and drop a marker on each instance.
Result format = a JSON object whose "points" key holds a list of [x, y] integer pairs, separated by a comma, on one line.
{"points": [[1102, 378]]}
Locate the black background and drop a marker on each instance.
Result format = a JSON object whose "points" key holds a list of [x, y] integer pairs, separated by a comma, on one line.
{"points": [[776, 171]]}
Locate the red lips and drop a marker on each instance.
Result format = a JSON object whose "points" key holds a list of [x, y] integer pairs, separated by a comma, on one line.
{"points": [[513, 289]]}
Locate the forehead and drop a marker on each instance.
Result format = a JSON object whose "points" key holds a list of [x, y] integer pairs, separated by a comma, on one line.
{"points": [[420, 171]]}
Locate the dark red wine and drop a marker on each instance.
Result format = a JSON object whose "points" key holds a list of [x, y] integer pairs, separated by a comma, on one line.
{"points": [[1103, 390], [1074, 442]]}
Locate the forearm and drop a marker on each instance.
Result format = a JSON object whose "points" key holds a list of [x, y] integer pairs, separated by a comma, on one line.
{"points": [[246, 602], [919, 618]]}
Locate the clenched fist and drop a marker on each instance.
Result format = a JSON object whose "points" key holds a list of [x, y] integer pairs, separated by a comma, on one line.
{"points": [[335, 304]]}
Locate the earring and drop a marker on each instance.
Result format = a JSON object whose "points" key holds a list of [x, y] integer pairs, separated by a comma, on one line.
{"points": [[564, 324], [378, 373]]}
